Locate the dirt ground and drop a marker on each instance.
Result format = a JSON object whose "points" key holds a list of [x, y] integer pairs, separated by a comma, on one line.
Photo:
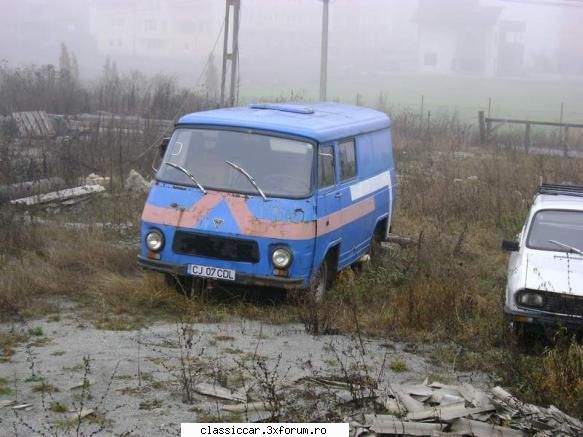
{"points": [[148, 381]]}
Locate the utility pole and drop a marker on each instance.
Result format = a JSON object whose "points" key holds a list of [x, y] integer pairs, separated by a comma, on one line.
{"points": [[230, 52], [324, 55]]}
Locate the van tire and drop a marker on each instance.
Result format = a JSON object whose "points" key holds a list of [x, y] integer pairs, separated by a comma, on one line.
{"points": [[323, 280], [319, 284]]}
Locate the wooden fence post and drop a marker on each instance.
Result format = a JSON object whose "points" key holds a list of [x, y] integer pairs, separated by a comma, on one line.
{"points": [[482, 123], [566, 140], [527, 138]]}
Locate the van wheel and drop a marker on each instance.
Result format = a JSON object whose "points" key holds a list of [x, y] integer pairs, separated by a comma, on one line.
{"points": [[320, 283], [376, 250]]}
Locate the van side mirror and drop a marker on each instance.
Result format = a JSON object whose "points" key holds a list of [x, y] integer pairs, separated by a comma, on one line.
{"points": [[164, 146], [510, 245]]}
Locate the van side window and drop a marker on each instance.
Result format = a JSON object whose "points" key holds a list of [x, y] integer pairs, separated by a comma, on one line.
{"points": [[326, 167], [347, 160]]}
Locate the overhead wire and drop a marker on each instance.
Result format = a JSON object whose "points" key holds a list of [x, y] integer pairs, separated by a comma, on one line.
{"points": [[188, 98]]}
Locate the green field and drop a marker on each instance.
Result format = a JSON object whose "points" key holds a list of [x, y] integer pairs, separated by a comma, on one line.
{"points": [[524, 98]]}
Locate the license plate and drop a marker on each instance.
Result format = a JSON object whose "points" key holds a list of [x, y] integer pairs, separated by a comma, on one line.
{"points": [[211, 272]]}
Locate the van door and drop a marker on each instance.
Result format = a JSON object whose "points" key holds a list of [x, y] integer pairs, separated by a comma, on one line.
{"points": [[356, 227], [329, 202]]}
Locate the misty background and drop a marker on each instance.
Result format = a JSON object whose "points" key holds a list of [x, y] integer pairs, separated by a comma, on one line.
{"points": [[514, 57]]}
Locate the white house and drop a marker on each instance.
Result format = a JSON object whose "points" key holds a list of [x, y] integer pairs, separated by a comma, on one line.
{"points": [[487, 37]]}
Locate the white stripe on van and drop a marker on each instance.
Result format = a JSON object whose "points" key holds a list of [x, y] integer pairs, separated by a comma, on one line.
{"points": [[371, 185]]}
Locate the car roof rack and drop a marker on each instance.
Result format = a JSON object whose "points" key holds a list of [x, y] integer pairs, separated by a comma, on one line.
{"points": [[561, 189]]}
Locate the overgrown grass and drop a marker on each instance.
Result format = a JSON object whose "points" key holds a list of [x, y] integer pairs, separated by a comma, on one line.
{"points": [[457, 200], [553, 377]]}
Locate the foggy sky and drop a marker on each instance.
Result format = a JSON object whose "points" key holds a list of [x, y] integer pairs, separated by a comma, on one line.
{"points": [[280, 39]]}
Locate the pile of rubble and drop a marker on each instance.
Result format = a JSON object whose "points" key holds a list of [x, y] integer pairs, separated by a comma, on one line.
{"points": [[438, 409], [40, 193]]}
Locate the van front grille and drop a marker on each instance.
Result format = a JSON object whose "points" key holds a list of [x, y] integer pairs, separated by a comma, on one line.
{"points": [[208, 246], [559, 303], [563, 304]]}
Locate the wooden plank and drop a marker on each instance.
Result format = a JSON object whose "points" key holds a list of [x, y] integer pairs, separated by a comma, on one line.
{"points": [[19, 124], [59, 196], [44, 118], [32, 121], [482, 124], [31, 130], [39, 124]]}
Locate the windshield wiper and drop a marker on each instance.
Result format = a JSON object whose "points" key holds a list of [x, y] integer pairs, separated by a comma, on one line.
{"points": [[566, 246], [187, 173], [248, 176]]}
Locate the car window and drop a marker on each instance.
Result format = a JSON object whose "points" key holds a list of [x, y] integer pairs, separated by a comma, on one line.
{"points": [[564, 228], [326, 167], [347, 160]]}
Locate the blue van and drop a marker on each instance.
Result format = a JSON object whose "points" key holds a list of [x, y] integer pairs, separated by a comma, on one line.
{"points": [[279, 195]]}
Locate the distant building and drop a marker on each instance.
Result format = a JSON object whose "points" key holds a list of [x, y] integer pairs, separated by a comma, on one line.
{"points": [[456, 36], [138, 32], [486, 37]]}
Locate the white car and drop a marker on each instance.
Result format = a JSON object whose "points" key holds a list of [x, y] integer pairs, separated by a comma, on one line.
{"points": [[545, 271]]}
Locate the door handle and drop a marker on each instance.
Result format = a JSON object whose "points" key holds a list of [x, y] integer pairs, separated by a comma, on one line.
{"points": [[338, 195]]}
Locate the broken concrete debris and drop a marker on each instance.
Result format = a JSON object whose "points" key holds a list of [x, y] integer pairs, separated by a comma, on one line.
{"points": [[438, 409], [82, 414], [6, 403], [219, 392], [95, 179], [29, 188], [135, 182]]}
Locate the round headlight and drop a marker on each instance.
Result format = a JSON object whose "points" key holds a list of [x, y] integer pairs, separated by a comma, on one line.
{"points": [[155, 241], [281, 258], [531, 300]]}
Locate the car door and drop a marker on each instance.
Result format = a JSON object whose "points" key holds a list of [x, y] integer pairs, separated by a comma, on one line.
{"points": [[329, 202]]}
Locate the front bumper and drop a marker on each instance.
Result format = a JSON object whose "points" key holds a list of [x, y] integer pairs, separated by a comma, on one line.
{"points": [[242, 279], [543, 319]]}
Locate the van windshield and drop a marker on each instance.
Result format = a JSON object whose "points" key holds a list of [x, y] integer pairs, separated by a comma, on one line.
{"points": [[281, 167], [556, 230]]}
